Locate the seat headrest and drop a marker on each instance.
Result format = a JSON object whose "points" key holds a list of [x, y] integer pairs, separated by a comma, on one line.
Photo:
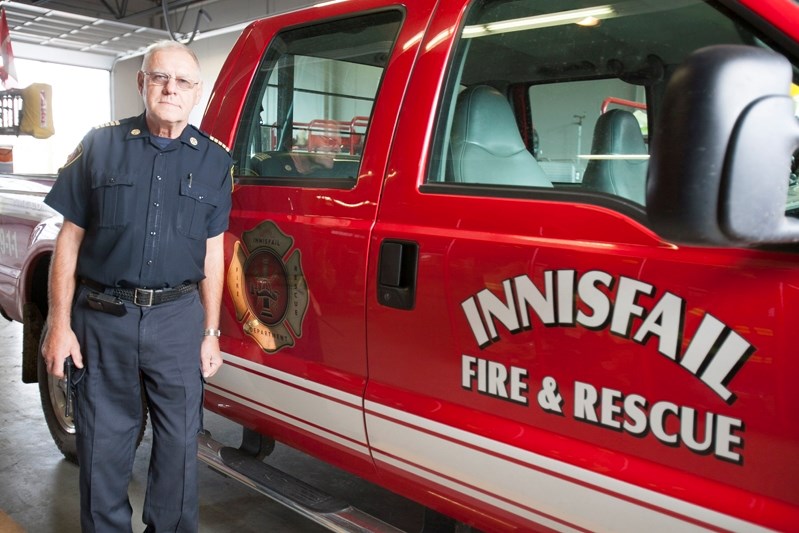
{"points": [[486, 144], [484, 118], [618, 132]]}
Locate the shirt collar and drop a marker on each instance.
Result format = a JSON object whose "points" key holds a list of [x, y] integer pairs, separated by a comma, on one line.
{"points": [[189, 137], [137, 129]]}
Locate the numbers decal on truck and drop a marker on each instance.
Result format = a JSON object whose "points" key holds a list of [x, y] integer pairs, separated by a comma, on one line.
{"points": [[268, 288], [8, 243]]}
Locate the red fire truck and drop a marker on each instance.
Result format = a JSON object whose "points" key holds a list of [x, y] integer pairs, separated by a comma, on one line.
{"points": [[533, 264]]}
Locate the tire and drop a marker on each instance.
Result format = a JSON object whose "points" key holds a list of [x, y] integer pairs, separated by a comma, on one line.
{"points": [[255, 444], [53, 396]]}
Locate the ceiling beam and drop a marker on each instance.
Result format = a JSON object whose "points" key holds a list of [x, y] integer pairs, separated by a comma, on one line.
{"points": [[117, 14]]}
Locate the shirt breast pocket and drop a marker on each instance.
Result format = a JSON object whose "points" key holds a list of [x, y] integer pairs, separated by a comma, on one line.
{"points": [[113, 199], [196, 204]]}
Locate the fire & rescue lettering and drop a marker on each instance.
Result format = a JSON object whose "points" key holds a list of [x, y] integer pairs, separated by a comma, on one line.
{"points": [[671, 424], [714, 354], [633, 414], [494, 379]]}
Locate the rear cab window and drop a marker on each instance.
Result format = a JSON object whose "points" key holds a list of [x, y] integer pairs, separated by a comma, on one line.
{"points": [[793, 181], [563, 98], [307, 115]]}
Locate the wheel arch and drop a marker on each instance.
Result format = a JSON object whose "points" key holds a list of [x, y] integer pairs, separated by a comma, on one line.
{"points": [[33, 293]]}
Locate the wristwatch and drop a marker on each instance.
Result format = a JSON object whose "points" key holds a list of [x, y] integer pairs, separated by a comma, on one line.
{"points": [[212, 332]]}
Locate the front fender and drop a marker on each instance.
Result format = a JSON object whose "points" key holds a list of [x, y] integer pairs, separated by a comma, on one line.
{"points": [[32, 282], [31, 302]]}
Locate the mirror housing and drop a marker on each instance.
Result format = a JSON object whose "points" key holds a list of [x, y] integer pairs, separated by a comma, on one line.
{"points": [[722, 149]]}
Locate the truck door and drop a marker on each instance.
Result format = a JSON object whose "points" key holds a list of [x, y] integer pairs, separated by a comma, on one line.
{"points": [[536, 352], [312, 107]]}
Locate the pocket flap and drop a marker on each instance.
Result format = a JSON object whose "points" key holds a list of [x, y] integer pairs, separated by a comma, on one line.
{"points": [[200, 192], [111, 180]]}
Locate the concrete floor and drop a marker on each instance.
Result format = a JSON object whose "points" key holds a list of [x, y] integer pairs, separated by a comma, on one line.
{"points": [[38, 487]]}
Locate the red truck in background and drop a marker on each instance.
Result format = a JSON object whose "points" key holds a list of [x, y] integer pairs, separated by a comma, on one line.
{"points": [[460, 271]]}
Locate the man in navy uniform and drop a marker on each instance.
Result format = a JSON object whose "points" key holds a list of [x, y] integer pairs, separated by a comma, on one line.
{"points": [[135, 291]]}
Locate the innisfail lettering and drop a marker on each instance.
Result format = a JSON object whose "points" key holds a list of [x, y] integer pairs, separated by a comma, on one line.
{"points": [[714, 354], [266, 241]]}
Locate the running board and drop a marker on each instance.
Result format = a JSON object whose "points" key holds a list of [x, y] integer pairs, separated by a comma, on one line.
{"points": [[330, 512]]}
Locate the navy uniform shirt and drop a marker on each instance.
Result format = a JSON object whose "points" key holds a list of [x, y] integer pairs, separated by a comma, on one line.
{"points": [[146, 211]]}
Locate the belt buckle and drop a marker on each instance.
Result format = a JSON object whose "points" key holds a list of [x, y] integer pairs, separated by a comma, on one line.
{"points": [[138, 300]]}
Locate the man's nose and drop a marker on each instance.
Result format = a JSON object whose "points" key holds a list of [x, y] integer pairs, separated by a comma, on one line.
{"points": [[171, 86]]}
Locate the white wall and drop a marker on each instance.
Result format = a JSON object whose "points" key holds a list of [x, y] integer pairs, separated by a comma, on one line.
{"points": [[212, 53]]}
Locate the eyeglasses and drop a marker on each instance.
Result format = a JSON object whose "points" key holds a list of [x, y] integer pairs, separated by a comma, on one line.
{"points": [[161, 78]]}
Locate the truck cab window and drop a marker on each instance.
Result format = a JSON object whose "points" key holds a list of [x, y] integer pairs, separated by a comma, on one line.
{"points": [[793, 180], [307, 116], [575, 88]]}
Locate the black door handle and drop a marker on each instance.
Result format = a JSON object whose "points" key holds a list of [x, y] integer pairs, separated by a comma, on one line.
{"points": [[396, 274]]}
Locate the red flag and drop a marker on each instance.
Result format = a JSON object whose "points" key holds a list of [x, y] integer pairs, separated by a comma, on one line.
{"points": [[8, 73]]}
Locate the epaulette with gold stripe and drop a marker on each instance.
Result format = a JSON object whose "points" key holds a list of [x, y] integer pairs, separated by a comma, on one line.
{"points": [[107, 124], [220, 143]]}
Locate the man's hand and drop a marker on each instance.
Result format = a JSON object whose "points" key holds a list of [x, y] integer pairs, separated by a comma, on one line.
{"points": [[59, 343], [59, 340], [210, 356]]}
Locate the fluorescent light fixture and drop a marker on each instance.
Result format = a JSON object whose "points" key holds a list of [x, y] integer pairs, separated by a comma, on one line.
{"points": [[588, 22], [572, 16], [629, 157]]}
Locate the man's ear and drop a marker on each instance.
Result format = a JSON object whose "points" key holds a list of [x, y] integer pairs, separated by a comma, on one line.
{"points": [[198, 93], [140, 82]]}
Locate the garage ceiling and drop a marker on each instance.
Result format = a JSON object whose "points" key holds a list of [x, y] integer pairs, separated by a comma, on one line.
{"points": [[131, 11], [40, 25], [104, 29]]}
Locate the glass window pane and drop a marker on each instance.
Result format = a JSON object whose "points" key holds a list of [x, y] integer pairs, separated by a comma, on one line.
{"points": [[309, 113], [565, 95]]}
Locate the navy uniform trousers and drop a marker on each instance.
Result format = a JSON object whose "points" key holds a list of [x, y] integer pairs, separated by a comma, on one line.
{"points": [[158, 348]]}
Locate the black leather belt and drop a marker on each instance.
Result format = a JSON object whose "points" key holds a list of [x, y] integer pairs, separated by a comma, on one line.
{"points": [[143, 297]]}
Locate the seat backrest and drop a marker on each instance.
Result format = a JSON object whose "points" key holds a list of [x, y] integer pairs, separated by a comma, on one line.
{"points": [[486, 144], [617, 133]]}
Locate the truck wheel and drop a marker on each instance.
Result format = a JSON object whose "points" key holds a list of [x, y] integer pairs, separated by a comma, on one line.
{"points": [[435, 522], [255, 444], [62, 428]]}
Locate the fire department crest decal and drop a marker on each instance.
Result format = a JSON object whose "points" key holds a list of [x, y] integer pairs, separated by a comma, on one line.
{"points": [[268, 287]]}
